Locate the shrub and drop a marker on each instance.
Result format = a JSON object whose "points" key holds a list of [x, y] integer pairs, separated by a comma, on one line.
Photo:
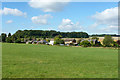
{"points": [[118, 42], [98, 44], [9, 40], [115, 44], [108, 41], [85, 43], [35, 42], [18, 40], [29, 42], [58, 40], [71, 44], [92, 44]]}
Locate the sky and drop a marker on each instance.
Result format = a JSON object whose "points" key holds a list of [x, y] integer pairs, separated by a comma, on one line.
{"points": [[90, 17]]}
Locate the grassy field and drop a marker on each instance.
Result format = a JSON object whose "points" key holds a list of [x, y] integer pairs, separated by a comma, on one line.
{"points": [[43, 61]]}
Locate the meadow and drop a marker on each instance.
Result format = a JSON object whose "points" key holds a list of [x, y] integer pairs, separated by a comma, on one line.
{"points": [[43, 61]]}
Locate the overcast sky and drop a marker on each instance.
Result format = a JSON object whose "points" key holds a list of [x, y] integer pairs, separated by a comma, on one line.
{"points": [[90, 17]]}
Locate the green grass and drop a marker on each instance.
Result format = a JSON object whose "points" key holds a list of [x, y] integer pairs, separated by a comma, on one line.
{"points": [[43, 61]]}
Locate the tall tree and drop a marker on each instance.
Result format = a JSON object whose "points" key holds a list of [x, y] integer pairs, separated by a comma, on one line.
{"points": [[9, 40], [58, 40], [3, 37], [0, 38], [108, 41], [9, 35]]}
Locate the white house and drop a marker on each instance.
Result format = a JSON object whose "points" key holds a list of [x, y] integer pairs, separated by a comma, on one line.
{"points": [[51, 42]]}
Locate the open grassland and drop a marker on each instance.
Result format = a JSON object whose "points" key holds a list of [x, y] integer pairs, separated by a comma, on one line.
{"points": [[43, 61]]}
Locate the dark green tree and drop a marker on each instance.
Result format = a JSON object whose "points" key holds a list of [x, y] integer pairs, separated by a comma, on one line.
{"points": [[13, 38], [115, 44], [0, 38], [107, 41], [58, 40], [85, 43], [9, 35], [4, 36], [18, 40], [49, 34], [9, 40]]}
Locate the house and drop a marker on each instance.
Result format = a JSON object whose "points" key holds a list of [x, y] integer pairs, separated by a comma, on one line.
{"points": [[43, 41], [91, 40], [70, 41], [38, 42], [51, 42]]}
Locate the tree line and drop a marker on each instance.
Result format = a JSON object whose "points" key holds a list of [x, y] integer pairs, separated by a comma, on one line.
{"points": [[33, 34], [49, 34]]}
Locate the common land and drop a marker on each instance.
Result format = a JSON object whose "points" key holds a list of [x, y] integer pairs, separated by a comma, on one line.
{"points": [[44, 61]]}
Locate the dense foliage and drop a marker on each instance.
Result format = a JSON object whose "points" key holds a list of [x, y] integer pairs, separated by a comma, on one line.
{"points": [[49, 34], [4, 36], [108, 41], [58, 40], [85, 43]]}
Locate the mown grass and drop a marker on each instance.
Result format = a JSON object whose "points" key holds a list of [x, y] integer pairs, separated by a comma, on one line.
{"points": [[43, 61]]}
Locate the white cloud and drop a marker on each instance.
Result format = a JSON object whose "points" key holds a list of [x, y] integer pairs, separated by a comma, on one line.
{"points": [[48, 5], [68, 25], [110, 29], [14, 12], [108, 17], [9, 21], [42, 19]]}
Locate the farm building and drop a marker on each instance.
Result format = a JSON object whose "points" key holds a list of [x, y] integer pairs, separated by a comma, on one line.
{"points": [[43, 42]]}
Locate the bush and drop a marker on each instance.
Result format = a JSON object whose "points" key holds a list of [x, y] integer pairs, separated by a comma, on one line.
{"points": [[98, 44], [18, 41], [85, 43], [115, 44], [71, 44], [35, 42], [29, 42], [118, 42], [108, 41], [58, 40], [9, 40], [92, 43]]}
